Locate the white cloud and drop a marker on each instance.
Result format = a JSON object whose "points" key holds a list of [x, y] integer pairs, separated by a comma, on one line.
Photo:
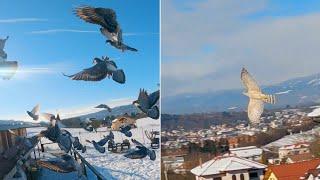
{"points": [[22, 20], [273, 49]]}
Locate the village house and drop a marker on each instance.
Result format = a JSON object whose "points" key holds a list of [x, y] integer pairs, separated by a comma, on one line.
{"points": [[293, 149], [229, 167], [250, 152], [294, 171]]}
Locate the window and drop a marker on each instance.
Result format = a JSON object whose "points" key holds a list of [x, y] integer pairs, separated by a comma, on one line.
{"points": [[241, 177], [253, 175], [234, 177]]}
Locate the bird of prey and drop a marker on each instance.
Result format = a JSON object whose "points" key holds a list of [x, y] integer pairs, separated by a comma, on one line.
{"points": [[107, 19], [126, 130], [99, 148], [103, 106], [105, 139], [147, 103], [256, 97], [102, 68], [142, 152], [34, 113]]}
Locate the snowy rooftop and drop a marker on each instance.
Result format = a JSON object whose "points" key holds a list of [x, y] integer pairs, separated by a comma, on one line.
{"points": [[314, 113], [246, 151], [224, 164]]}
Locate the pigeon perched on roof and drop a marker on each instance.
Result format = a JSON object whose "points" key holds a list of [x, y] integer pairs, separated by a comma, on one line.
{"points": [[103, 106], [107, 19], [34, 113], [102, 68], [105, 139], [256, 97], [142, 152], [147, 103], [125, 129]]}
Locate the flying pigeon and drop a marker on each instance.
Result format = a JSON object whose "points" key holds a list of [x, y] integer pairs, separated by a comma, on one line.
{"points": [[126, 130], [107, 138], [34, 113], [256, 97], [76, 144], [102, 68], [142, 152], [107, 19], [99, 148], [146, 103], [104, 106], [87, 125]]}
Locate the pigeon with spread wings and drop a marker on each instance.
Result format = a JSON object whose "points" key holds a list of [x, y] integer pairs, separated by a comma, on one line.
{"points": [[107, 19], [102, 68], [34, 113], [104, 106], [147, 103], [141, 152], [256, 97]]}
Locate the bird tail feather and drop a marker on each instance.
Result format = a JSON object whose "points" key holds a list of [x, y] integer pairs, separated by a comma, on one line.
{"points": [[119, 76], [270, 98]]}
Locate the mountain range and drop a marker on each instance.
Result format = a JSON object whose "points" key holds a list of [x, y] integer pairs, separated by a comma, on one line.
{"points": [[293, 92]]}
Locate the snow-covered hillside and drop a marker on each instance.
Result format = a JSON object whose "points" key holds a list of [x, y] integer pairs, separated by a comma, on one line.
{"points": [[112, 165]]}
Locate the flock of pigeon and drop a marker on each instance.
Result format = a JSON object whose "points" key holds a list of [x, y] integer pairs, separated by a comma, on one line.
{"points": [[102, 68]]}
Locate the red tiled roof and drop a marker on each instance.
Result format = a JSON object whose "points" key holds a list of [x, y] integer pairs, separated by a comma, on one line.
{"points": [[293, 171]]}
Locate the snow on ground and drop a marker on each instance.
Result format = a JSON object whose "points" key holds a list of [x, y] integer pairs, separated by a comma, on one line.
{"points": [[307, 136], [112, 165]]}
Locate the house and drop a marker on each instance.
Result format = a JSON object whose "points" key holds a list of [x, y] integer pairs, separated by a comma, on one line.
{"points": [[249, 152], [229, 167], [299, 148], [299, 157], [293, 171]]}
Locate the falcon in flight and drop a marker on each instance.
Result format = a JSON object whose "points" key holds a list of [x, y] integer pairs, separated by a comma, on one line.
{"points": [[256, 97], [102, 68], [107, 19]]}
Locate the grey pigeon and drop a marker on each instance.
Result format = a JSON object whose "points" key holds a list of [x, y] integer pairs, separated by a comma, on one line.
{"points": [[99, 148], [142, 152], [107, 138], [126, 130], [107, 19], [103, 68], [147, 103], [34, 113], [103, 106]]}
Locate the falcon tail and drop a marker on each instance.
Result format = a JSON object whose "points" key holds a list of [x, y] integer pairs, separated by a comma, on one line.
{"points": [[270, 99]]}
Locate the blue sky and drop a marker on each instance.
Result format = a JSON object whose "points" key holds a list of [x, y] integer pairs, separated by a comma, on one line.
{"points": [[41, 41], [206, 43]]}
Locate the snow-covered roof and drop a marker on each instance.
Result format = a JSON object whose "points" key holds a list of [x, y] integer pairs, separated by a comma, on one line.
{"points": [[224, 164], [246, 151], [314, 113]]}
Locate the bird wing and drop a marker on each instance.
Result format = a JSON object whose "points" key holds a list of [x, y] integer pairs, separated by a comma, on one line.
{"points": [[137, 143], [154, 97], [104, 17], [35, 110], [255, 109], [143, 99], [120, 35], [95, 73], [47, 116], [103, 141], [249, 81]]}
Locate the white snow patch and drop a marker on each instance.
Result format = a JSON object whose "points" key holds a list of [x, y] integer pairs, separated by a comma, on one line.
{"points": [[314, 113]]}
